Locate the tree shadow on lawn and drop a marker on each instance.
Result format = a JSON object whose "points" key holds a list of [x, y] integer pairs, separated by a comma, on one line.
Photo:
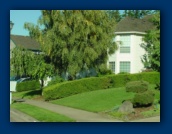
{"points": [[32, 93]]}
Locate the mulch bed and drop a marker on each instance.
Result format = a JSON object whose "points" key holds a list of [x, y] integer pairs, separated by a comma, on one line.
{"points": [[137, 113]]}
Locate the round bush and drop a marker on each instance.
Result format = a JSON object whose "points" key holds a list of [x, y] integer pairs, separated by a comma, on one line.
{"points": [[143, 99], [137, 86]]}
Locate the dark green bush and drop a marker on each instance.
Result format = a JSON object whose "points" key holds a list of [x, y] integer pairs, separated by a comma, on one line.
{"points": [[123, 73], [137, 86], [28, 85], [157, 86], [68, 88], [65, 89], [143, 99]]}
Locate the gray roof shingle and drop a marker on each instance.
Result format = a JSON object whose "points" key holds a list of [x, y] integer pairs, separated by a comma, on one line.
{"points": [[26, 42], [133, 24]]}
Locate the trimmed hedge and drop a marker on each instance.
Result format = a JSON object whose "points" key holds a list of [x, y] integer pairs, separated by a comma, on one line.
{"points": [[65, 89], [27, 85], [68, 88], [137, 86], [143, 99]]}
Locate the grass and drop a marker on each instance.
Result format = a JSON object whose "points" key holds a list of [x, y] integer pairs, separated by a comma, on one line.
{"points": [[154, 112], [107, 100], [96, 101], [100, 100], [41, 114]]}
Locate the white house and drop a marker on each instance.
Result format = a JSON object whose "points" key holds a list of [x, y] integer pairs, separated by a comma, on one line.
{"points": [[129, 36]]}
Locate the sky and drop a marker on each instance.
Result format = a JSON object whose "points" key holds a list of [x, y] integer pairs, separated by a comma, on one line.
{"points": [[19, 17]]}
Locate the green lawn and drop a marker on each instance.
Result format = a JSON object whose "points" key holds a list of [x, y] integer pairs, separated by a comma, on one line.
{"points": [[99, 100], [96, 101], [41, 114]]}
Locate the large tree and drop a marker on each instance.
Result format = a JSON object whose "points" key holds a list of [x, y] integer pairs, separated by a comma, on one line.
{"points": [[73, 40], [152, 45], [26, 63], [20, 61], [137, 13], [114, 14]]}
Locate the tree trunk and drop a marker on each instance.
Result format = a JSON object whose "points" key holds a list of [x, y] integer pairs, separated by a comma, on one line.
{"points": [[42, 85]]}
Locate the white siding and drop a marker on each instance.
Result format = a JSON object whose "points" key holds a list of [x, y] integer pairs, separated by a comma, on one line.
{"points": [[134, 57]]}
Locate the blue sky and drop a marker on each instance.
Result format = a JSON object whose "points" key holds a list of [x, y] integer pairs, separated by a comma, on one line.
{"points": [[19, 17]]}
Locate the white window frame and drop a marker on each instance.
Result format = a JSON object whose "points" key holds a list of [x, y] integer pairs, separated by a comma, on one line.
{"points": [[125, 43], [125, 66]]}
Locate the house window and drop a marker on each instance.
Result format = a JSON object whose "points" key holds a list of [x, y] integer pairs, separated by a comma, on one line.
{"points": [[125, 66], [112, 66], [125, 44]]}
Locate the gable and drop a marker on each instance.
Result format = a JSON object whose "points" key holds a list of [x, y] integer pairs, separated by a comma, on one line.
{"points": [[25, 42], [12, 45]]}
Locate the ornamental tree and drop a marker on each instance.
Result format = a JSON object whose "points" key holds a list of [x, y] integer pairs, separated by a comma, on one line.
{"points": [[74, 40]]}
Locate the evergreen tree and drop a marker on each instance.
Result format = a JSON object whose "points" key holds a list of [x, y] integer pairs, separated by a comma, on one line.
{"points": [[114, 14], [73, 40], [152, 45], [137, 13]]}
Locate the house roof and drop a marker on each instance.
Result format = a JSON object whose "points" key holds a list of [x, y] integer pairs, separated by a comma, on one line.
{"points": [[133, 24], [26, 42]]}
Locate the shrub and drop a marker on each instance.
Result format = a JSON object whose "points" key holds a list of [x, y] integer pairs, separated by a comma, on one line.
{"points": [[137, 86], [123, 73], [68, 88], [151, 77], [143, 99], [28, 85], [55, 80], [65, 89], [157, 86]]}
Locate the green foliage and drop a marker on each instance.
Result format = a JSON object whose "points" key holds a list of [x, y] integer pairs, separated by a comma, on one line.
{"points": [[99, 100], [68, 88], [75, 87], [104, 72], [75, 39], [137, 13], [55, 80], [25, 62], [152, 45], [143, 99], [21, 61], [137, 86], [119, 115], [150, 113], [41, 70], [31, 94], [114, 14], [157, 86], [28, 85]]}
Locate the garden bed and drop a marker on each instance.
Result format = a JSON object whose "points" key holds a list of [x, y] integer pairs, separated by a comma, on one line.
{"points": [[139, 113]]}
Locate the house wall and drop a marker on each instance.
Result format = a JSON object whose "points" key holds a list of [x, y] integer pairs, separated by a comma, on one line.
{"points": [[138, 52], [134, 57]]}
